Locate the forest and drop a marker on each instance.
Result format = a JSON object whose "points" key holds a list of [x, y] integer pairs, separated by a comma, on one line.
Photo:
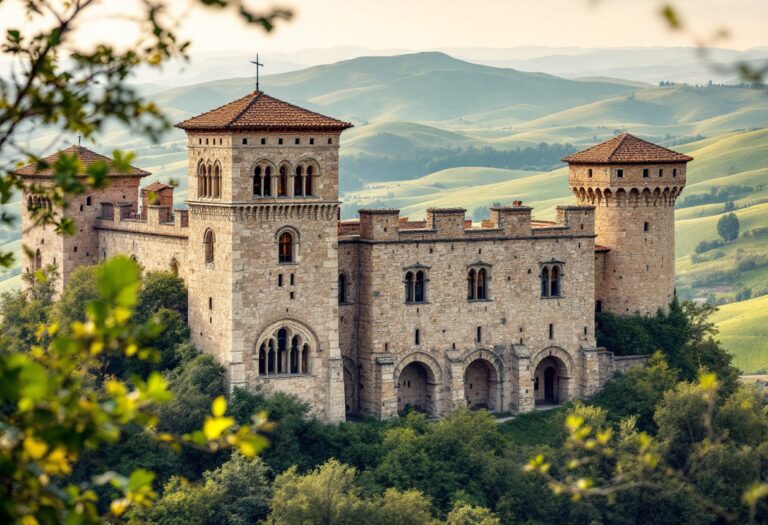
{"points": [[679, 441]]}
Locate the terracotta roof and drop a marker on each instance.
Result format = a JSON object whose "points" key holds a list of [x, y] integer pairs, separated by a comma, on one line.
{"points": [[257, 111], [157, 186], [86, 156], [626, 149]]}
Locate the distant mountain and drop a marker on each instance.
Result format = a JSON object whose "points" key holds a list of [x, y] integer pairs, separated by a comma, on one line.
{"points": [[421, 86]]}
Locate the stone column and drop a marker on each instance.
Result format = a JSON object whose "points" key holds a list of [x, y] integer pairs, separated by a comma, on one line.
{"points": [[386, 388], [590, 371], [522, 380], [455, 380], [335, 391]]}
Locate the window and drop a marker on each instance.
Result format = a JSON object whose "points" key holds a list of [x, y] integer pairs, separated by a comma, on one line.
{"points": [[589, 173], [209, 241], [210, 303], [311, 141], [477, 284], [282, 182], [646, 226], [297, 141], [285, 248], [479, 334], [330, 140], [417, 337], [81, 207], [551, 331], [551, 280], [598, 306], [342, 288], [298, 182], [263, 141], [661, 172], [619, 173], [415, 286], [674, 172], [285, 351], [280, 141], [645, 172], [267, 185], [245, 142], [258, 190], [308, 183], [88, 200], [280, 279], [38, 262]]}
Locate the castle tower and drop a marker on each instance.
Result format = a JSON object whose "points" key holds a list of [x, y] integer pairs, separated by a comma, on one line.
{"points": [[633, 185], [67, 252], [263, 207]]}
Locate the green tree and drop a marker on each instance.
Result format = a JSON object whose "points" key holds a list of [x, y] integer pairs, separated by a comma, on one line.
{"points": [[23, 311], [465, 514], [728, 227], [80, 290], [161, 290], [236, 493]]}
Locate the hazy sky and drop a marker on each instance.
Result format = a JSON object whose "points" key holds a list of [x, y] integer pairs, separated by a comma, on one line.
{"points": [[430, 24]]}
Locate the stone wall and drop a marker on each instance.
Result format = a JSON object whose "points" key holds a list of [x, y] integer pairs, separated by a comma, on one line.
{"points": [[514, 312]]}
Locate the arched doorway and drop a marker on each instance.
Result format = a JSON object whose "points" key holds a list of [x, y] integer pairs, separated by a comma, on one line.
{"points": [[550, 382], [481, 385], [415, 389]]}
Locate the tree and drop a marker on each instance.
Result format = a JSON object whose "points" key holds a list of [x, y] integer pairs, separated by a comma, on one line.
{"points": [[55, 410], [465, 514], [24, 310], [161, 290], [728, 227]]}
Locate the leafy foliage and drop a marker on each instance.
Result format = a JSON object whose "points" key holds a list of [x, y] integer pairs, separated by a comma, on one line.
{"points": [[728, 227]]}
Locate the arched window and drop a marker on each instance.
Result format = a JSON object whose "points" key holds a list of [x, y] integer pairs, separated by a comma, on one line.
{"points": [[263, 359], [554, 285], [409, 287], [217, 181], [282, 351], [282, 182], [257, 182], [342, 288], [545, 281], [271, 357], [294, 356], [200, 179], [268, 181], [419, 288], [481, 284], [305, 359], [209, 241], [471, 284], [285, 248], [308, 182], [298, 182]]}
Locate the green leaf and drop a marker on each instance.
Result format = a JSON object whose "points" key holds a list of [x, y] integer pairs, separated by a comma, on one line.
{"points": [[219, 406]]}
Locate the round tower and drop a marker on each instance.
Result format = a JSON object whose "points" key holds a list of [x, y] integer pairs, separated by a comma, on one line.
{"points": [[633, 185]]}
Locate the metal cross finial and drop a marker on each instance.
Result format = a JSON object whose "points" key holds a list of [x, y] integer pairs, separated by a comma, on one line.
{"points": [[258, 65]]}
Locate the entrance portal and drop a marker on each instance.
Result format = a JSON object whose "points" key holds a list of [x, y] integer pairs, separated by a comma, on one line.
{"points": [[550, 382], [414, 391], [480, 385]]}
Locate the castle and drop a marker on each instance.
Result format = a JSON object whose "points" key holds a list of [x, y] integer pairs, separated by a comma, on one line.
{"points": [[381, 314]]}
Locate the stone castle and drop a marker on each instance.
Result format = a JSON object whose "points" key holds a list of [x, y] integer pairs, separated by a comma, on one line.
{"points": [[380, 314]]}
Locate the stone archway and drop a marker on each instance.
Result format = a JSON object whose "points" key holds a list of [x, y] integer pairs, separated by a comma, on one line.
{"points": [[416, 389], [551, 381], [481, 385]]}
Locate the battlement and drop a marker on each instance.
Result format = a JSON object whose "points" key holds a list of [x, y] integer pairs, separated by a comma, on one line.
{"points": [[451, 223], [154, 219]]}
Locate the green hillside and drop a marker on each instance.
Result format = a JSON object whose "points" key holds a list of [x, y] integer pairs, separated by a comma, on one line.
{"points": [[744, 332]]}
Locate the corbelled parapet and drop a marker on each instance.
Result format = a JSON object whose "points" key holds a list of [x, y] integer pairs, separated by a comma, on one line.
{"points": [[512, 220], [379, 224], [446, 221]]}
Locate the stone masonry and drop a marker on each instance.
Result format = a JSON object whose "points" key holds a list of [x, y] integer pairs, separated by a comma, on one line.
{"points": [[381, 314]]}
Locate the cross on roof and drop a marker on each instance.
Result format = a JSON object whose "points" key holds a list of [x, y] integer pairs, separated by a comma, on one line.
{"points": [[258, 65]]}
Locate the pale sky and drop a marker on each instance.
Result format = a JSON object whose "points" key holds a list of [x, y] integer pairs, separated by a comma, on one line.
{"points": [[432, 24]]}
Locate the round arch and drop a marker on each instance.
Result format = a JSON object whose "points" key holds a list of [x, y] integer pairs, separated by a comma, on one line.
{"points": [[417, 379], [297, 344], [483, 376], [553, 381]]}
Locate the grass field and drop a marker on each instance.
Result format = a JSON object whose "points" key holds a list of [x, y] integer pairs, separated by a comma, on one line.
{"points": [[744, 331]]}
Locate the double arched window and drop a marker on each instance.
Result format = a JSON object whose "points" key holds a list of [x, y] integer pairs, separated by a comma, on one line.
{"points": [[282, 182], [284, 352], [416, 286], [35, 202], [551, 280], [303, 180], [285, 247], [262, 180], [209, 242], [477, 284]]}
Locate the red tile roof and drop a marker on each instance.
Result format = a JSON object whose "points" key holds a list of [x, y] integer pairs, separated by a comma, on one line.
{"points": [[157, 186], [626, 149], [86, 156], [259, 112]]}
